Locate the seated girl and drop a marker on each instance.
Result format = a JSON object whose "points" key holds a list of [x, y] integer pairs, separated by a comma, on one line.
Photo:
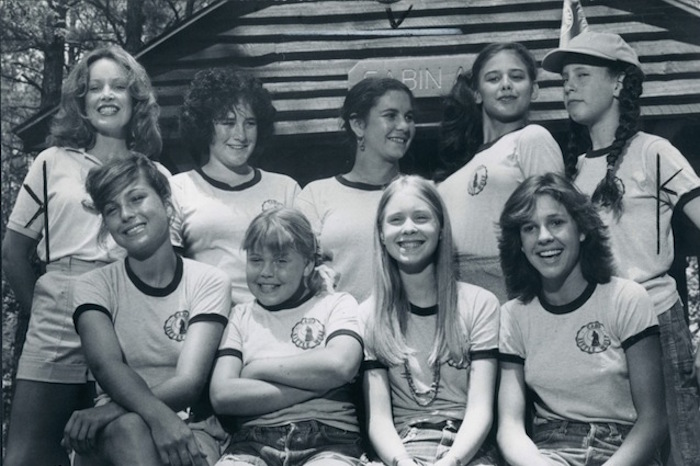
{"points": [[150, 326], [432, 342], [287, 358], [586, 343]]}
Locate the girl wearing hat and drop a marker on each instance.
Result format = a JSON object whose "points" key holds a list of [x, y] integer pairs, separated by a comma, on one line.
{"points": [[488, 150], [636, 180], [585, 343]]}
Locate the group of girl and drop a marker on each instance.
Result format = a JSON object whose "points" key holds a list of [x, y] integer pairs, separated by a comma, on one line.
{"points": [[581, 364]]}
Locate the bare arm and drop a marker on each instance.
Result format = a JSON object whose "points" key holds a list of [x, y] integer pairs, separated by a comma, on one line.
{"points": [[644, 364], [478, 416], [318, 369], [233, 395], [16, 263], [517, 448], [380, 420], [692, 210]]}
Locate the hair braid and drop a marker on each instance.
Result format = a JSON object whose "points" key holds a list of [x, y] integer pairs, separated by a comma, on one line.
{"points": [[579, 142], [608, 193]]}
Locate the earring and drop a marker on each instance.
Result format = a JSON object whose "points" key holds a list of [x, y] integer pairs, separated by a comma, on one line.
{"points": [[361, 143]]}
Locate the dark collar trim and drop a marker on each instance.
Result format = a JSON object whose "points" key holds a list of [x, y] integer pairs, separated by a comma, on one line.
{"points": [[593, 154], [573, 305], [486, 145], [300, 296], [257, 176], [151, 290], [423, 311], [358, 185]]}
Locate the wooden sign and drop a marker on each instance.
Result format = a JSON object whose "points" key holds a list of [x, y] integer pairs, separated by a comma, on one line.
{"points": [[424, 76]]}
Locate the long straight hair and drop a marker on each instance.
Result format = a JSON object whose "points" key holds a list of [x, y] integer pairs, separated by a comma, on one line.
{"points": [[387, 334]]}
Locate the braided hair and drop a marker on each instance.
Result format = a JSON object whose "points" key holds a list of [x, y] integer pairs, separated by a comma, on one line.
{"points": [[608, 194]]}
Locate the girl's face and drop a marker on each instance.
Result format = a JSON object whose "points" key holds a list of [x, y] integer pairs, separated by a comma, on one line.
{"points": [[389, 127], [108, 103], [410, 231], [274, 277], [234, 139], [504, 88], [551, 242], [138, 220], [589, 93]]}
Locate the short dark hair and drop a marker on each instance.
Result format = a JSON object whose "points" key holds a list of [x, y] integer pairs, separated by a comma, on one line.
{"points": [[522, 279], [212, 94]]}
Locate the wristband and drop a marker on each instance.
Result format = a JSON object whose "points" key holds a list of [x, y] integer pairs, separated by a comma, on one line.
{"points": [[398, 458]]}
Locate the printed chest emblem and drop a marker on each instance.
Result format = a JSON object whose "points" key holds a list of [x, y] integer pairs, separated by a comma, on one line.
{"points": [[308, 333], [592, 338], [478, 182], [271, 204], [176, 325]]}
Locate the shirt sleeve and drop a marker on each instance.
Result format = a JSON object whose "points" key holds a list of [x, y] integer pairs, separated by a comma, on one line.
{"points": [[634, 313], [93, 292], [343, 319], [670, 174], [177, 219], [365, 316], [482, 315], [510, 340], [232, 341], [27, 216], [538, 152], [212, 297]]}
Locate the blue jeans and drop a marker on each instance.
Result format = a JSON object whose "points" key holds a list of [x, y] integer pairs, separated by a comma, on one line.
{"points": [[296, 443], [579, 444], [682, 393], [427, 443]]}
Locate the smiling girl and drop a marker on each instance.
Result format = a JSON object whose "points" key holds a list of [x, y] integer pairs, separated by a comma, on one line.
{"points": [[430, 369], [287, 358], [488, 149], [584, 342], [378, 117], [226, 119], [107, 108], [149, 326], [637, 181]]}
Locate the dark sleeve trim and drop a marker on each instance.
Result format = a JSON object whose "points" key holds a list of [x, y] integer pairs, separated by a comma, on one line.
{"points": [[484, 354], [88, 307], [653, 330], [370, 364], [686, 198], [514, 358], [345, 332], [218, 318], [230, 352]]}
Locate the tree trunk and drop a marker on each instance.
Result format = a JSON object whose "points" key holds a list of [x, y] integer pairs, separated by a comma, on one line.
{"points": [[134, 25], [54, 58]]}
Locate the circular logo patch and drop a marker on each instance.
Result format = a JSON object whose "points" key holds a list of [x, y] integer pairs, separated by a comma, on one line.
{"points": [[176, 325], [308, 333], [592, 338], [478, 182]]}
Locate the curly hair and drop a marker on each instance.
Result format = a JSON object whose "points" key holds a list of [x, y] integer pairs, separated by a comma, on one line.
{"points": [[71, 126], [523, 281], [213, 93], [387, 335], [362, 97], [461, 132], [607, 194]]}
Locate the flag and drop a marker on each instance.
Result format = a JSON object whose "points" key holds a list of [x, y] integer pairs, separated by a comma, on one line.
{"points": [[573, 22]]}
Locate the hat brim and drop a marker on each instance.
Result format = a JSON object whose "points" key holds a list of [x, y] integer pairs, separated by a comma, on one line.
{"points": [[555, 60]]}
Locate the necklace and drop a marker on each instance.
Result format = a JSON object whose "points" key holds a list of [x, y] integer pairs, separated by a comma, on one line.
{"points": [[424, 398]]}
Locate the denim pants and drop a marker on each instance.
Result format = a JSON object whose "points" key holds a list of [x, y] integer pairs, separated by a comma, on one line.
{"points": [[682, 393], [293, 444], [427, 443], [580, 444]]}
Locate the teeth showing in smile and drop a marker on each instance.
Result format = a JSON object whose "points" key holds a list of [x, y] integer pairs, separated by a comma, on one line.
{"points": [[398, 140], [107, 110], [408, 245], [267, 288], [550, 254], [135, 230]]}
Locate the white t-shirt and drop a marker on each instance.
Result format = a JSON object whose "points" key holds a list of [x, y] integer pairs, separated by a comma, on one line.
{"points": [[211, 218], [654, 177]]}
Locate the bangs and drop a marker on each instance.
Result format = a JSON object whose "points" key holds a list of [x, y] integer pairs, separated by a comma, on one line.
{"points": [[270, 235]]}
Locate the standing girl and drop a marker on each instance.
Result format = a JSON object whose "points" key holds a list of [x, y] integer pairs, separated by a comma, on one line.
{"points": [[488, 150], [107, 107], [584, 342], [378, 118], [432, 342], [150, 325], [636, 180], [226, 119], [288, 357]]}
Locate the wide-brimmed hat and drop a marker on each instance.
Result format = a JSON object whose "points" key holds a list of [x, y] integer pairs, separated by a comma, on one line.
{"points": [[599, 45]]}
